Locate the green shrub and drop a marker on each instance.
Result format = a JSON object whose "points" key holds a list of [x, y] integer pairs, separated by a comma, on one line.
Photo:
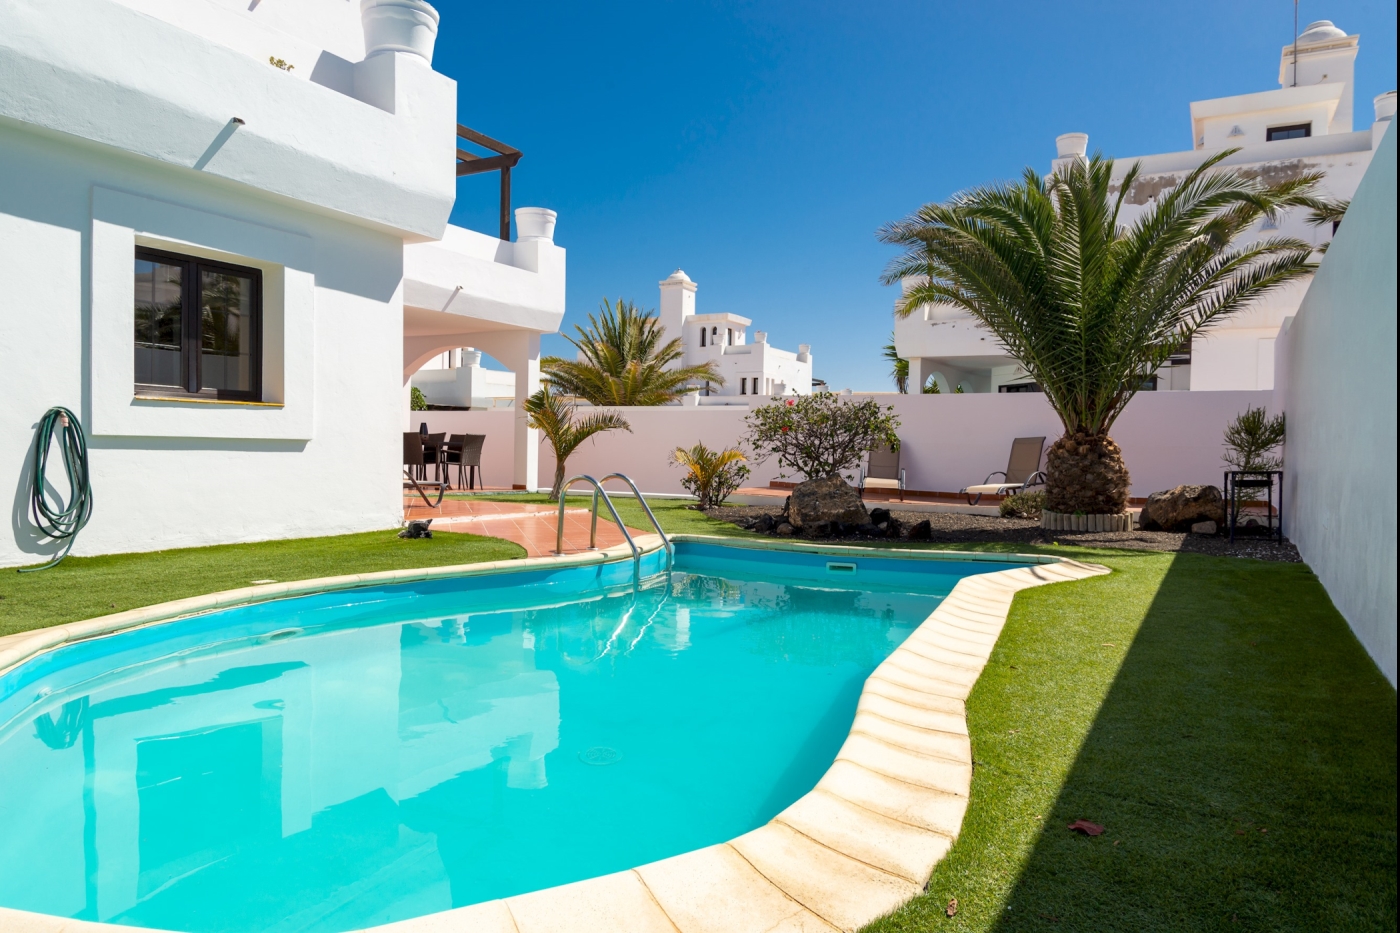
{"points": [[417, 401], [820, 434], [1023, 505]]}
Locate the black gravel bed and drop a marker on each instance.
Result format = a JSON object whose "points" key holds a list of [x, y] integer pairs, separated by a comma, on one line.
{"points": [[957, 528]]}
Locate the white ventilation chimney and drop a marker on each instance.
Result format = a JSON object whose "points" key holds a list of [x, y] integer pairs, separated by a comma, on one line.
{"points": [[677, 304], [1324, 55], [1069, 148], [399, 26], [1385, 114], [1069, 145]]}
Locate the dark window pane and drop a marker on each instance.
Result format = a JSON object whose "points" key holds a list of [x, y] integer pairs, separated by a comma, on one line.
{"points": [[158, 302], [225, 331], [1296, 131]]}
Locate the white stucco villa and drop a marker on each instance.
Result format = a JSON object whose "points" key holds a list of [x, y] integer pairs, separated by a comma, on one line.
{"points": [[224, 245], [1303, 126], [748, 368]]}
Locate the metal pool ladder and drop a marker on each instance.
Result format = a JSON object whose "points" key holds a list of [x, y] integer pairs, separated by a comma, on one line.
{"points": [[600, 492]]}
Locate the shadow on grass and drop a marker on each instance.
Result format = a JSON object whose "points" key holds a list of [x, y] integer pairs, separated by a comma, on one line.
{"points": [[1243, 762]]}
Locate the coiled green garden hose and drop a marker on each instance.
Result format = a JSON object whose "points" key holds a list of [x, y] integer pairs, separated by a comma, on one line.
{"points": [[61, 524]]}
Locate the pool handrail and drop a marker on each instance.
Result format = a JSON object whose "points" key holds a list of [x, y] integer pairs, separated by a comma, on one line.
{"points": [[665, 541], [593, 534]]}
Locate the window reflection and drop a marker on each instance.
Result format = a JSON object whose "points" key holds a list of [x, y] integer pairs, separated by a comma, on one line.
{"points": [[159, 300], [226, 310]]}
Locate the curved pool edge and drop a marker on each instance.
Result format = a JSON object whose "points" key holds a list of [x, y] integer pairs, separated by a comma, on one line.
{"points": [[22, 647], [859, 845]]}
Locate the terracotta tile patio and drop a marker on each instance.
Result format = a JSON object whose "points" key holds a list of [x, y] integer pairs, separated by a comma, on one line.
{"points": [[532, 525]]}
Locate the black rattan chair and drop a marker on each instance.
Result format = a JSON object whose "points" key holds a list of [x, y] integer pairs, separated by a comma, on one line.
{"points": [[465, 451]]}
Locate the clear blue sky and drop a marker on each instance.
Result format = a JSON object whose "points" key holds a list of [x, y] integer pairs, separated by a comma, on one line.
{"points": [[759, 145]]}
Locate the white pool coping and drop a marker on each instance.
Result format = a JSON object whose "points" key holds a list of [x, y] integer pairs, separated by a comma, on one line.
{"points": [[860, 844]]}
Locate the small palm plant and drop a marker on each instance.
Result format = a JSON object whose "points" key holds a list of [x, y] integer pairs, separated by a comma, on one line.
{"points": [[1091, 307], [623, 361], [557, 420], [899, 366], [711, 475]]}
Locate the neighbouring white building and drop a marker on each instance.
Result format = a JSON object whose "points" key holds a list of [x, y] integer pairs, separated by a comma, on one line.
{"points": [[748, 368], [224, 245], [1303, 126], [456, 379]]}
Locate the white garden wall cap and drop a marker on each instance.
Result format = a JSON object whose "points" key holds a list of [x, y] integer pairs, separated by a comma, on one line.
{"points": [[399, 26], [857, 846]]}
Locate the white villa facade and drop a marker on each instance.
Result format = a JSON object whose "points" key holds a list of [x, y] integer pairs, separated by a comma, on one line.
{"points": [[1303, 126], [756, 368], [230, 267]]}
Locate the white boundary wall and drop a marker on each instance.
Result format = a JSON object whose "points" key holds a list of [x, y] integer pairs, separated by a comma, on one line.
{"points": [[948, 441], [1337, 361]]}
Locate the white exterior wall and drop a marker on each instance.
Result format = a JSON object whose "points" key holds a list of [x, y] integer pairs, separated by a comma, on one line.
{"points": [[1341, 454], [185, 474], [161, 123], [948, 441]]}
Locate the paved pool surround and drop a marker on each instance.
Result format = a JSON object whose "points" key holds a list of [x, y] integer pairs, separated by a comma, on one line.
{"points": [[856, 847]]}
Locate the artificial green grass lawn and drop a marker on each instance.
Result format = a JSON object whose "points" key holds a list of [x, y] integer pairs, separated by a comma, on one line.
{"points": [[1217, 717], [1187, 703], [84, 587]]}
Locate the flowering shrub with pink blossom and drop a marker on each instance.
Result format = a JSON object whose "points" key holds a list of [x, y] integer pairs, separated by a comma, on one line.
{"points": [[820, 434]]}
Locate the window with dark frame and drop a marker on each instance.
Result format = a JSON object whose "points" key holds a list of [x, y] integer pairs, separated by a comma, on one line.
{"points": [[198, 327], [1292, 131]]}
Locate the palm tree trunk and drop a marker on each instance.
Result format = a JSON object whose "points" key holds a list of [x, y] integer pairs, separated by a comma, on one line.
{"points": [[558, 487], [1086, 473]]}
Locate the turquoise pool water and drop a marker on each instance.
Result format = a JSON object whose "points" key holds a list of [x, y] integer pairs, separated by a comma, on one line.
{"points": [[353, 758]]}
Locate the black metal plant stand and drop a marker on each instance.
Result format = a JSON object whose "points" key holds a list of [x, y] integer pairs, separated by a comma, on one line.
{"points": [[1237, 481]]}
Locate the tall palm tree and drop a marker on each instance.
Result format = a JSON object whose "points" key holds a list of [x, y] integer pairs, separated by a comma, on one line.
{"points": [[622, 361], [899, 367], [557, 420], [1091, 307]]}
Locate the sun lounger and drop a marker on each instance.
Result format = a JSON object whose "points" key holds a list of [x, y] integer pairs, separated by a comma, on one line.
{"points": [[1022, 472], [882, 471]]}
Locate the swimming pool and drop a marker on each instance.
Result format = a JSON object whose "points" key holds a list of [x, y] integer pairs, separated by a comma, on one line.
{"points": [[351, 758]]}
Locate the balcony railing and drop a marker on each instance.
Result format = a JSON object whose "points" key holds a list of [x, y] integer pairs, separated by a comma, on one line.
{"points": [[469, 163]]}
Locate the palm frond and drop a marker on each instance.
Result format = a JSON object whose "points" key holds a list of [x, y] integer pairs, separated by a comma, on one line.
{"points": [[1087, 306], [623, 361]]}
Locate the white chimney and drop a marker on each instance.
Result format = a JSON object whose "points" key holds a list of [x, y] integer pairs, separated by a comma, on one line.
{"points": [[760, 336], [399, 26], [1069, 145], [677, 304], [535, 223], [1385, 115]]}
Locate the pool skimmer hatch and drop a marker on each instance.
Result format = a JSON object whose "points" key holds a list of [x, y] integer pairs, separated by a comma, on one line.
{"points": [[600, 755]]}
